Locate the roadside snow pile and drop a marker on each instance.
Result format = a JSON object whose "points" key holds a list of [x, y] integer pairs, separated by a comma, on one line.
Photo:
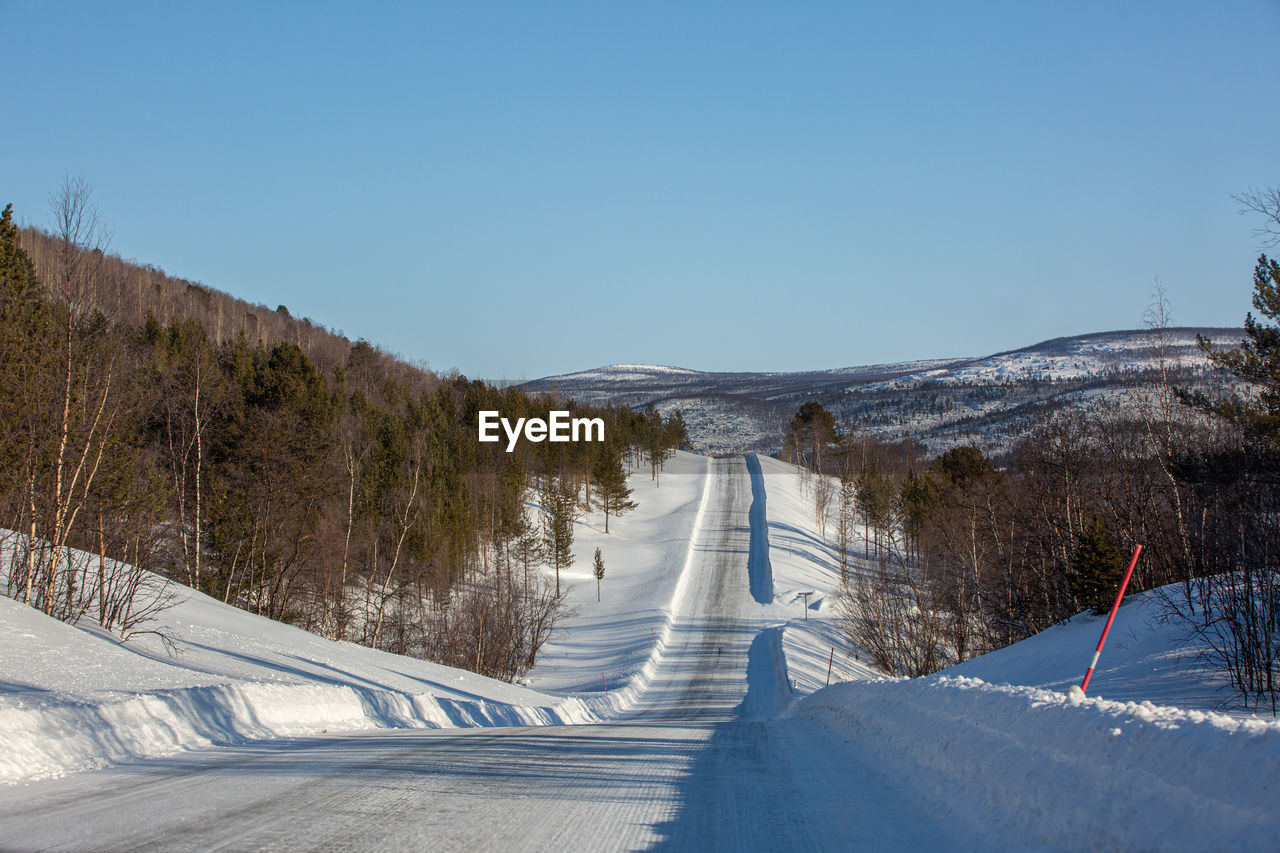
{"points": [[1000, 743], [73, 698], [1064, 770], [1149, 657]]}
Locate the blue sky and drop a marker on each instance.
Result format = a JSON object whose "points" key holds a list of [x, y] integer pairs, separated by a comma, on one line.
{"points": [[520, 189]]}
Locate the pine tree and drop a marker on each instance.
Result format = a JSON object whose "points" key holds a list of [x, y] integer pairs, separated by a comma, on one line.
{"points": [[1256, 360], [812, 428], [612, 494], [599, 572], [1096, 568], [656, 441], [24, 350], [677, 430], [557, 526], [17, 273]]}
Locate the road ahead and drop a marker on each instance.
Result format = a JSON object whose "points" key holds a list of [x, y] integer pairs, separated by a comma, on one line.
{"points": [[701, 765]]}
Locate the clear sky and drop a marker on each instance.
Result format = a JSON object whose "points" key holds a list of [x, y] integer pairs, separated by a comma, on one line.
{"points": [[528, 188]]}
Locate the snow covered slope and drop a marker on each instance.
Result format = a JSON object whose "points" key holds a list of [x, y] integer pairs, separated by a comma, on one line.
{"points": [[1148, 658], [803, 562], [1040, 768], [613, 641], [1000, 745], [73, 698]]}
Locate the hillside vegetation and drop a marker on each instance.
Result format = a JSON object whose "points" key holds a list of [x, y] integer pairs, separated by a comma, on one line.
{"points": [[973, 551], [990, 402], [272, 464]]}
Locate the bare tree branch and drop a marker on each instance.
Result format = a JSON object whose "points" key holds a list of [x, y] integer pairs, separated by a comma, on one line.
{"points": [[1267, 203]]}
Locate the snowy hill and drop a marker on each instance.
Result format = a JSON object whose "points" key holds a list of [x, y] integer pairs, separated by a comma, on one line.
{"points": [[988, 401]]}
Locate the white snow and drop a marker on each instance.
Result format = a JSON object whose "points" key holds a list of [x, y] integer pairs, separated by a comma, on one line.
{"points": [[616, 641], [625, 373], [1148, 658], [1000, 748], [1049, 768], [1006, 743], [73, 698], [802, 562]]}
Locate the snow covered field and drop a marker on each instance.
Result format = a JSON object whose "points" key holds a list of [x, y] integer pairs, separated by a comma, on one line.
{"points": [[717, 729]]}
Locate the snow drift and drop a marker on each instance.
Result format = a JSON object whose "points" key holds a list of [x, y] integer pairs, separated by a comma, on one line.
{"points": [[1054, 769]]}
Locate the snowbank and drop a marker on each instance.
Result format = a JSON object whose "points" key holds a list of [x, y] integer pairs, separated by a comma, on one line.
{"points": [[1053, 769], [1148, 657], [73, 699], [811, 640], [998, 743]]}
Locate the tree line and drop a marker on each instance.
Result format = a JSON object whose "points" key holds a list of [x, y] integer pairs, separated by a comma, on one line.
{"points": [[339, 490], [962, 553]]}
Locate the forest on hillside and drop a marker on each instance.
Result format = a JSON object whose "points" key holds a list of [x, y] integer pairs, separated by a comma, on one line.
{"points": [[969, 553], [156, 431]]}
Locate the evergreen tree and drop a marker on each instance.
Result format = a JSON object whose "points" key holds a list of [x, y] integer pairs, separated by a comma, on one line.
{"points": [[677, 431], [557, 526], [812, 429], [17, 273], [612, 493], [24, 351], [919, 499], [656, 440], [598, 570], [965, 465], [1096, 568], [1256, 360]]}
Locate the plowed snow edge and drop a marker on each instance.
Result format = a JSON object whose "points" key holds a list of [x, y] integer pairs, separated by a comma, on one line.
{"points": [[1058, 770]]}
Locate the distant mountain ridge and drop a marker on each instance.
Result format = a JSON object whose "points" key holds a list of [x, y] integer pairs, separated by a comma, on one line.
{"points": [[990, 400]]}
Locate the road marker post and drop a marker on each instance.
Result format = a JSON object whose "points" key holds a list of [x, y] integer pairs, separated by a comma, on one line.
{"points": [[1133, 561], [831, 663]]}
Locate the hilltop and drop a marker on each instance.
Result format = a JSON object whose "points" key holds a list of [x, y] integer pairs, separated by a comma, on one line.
{"points": [[990, 401]]}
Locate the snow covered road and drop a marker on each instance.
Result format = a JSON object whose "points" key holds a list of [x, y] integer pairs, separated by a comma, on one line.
{"points": [[700, 763]]}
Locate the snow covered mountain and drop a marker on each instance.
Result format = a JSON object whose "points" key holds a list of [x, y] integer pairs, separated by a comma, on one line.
{"points": [[990, 401]]}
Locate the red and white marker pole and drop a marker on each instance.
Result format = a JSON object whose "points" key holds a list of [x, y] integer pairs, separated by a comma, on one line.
{"points": [[1133, 561]]}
